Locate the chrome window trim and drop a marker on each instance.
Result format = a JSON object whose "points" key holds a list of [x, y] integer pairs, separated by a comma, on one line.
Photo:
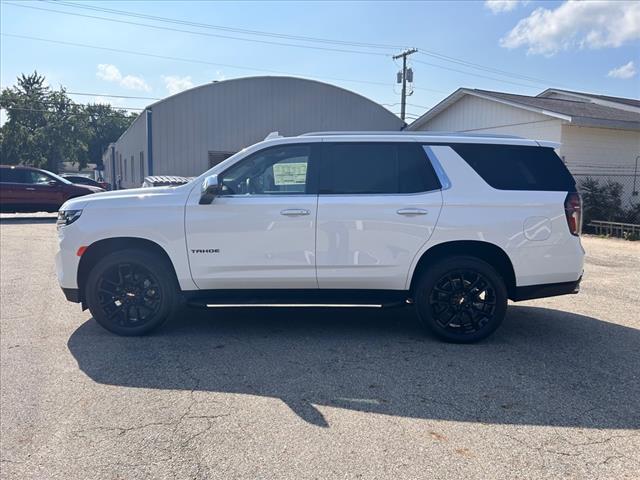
{"points": [[437, 166]]}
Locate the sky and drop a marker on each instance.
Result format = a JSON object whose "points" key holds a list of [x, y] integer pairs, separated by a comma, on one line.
{"points": [[517, 46]]}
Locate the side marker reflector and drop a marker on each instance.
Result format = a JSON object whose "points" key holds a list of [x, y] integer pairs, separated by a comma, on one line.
{"points": [[80, 251]]}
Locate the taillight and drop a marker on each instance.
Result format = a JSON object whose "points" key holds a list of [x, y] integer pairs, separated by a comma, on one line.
{"points": [[573, 211]]}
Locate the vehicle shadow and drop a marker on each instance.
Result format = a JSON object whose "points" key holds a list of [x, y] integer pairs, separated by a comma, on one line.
{"points": [[542, 367]]}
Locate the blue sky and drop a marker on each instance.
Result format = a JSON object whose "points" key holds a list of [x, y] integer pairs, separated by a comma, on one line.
{"points": [[586, 46]]}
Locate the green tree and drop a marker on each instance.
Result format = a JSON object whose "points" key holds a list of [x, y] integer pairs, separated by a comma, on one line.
{"points": [[44, 126], [601, 202], [105, 125]]}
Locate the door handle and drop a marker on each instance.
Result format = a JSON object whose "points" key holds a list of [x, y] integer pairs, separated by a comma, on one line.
{"points": [[295, 212], [30, 189], [412, 211]]}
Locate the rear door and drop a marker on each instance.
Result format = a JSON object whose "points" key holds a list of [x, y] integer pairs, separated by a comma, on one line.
{"points": [[11, 187], [378, 205]]}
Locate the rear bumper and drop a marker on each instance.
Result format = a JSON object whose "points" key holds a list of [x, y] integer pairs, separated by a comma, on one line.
{"points": [[546, 290], [72, 294]]}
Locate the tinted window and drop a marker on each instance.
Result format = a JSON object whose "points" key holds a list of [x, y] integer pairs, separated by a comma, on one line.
{"points": [[273, 171], [514, 167], [34, 176], [11, 175], [373, 168]]}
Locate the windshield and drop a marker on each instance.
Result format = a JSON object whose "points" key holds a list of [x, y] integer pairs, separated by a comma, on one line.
{"points": [[59, 178]]}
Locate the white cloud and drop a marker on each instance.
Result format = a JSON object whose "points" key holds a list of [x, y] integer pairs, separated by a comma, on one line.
{"points": [[175, 84], [576, 24], [624, 72], [499, 6], [111, 73]]}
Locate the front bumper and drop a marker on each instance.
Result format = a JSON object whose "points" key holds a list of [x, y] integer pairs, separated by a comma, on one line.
{"points": [[72, 294]]}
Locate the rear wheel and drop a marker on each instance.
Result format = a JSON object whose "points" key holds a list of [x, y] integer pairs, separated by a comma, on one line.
{"points": [[461, 299], [131, 292]]}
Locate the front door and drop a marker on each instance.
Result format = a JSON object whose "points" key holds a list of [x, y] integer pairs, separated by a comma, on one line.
{"points": [[378, 205], [42, 190], [260, 232]]}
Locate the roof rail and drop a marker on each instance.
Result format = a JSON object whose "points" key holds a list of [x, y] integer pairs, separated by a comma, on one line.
{"points": [[408, 133]]}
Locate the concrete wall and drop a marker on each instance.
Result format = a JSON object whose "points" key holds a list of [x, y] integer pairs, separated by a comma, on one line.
{"points": [[473, 114], [230, 115]]}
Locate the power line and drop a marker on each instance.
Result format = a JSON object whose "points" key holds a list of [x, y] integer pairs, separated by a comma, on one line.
{"points": [[476, 74], [112, 96], [192, 32], [228, 29], [70, 114], [423, 51], [280, 35], [203, 62]]}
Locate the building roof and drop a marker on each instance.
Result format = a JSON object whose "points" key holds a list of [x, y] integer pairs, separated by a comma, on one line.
{"points": [[583, 109], [632, 102]]}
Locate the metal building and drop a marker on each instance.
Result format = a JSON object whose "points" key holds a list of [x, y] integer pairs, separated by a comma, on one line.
{"points": [[189, 132]]}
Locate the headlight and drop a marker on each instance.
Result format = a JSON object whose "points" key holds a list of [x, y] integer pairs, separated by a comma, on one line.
{"points": [[67, 217]]}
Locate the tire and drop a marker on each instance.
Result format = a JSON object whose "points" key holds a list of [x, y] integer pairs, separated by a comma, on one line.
{"points": [[131, 292], [461, 299]]}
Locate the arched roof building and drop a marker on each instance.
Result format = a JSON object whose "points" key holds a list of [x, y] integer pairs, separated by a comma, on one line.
{"points": [[189, 132]]}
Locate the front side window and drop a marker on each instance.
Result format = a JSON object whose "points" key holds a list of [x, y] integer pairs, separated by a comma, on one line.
{"points": [[38, 177], [376, 168], [273, 171]]}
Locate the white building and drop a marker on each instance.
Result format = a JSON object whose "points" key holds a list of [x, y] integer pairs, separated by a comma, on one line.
{"points": [[189, 132], [599, 135]]}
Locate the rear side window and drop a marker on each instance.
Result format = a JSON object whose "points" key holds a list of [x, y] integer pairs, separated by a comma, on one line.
{"points": [[516, 167], [375, 168], [11, 175]]}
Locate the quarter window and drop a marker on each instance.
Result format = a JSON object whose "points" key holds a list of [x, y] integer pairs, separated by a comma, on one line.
{"points": [[376, 168], [273, 171]]}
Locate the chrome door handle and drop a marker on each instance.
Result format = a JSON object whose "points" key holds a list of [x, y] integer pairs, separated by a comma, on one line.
{"points": [[295, 212], [30, 189], [411, 211]]}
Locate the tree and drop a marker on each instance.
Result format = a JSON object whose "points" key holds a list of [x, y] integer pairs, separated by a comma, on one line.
{"points": [[45, 127], [105, 125]]}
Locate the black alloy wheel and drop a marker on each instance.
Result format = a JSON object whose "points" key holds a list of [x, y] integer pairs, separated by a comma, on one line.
{"points": [[131, 292], [461, 299]]}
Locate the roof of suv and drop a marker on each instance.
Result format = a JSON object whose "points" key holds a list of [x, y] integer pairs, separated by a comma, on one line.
{"points": [[436, 137]]}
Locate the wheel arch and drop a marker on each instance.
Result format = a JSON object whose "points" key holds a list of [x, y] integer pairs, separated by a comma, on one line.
{"points": [[100, 248], [488, 252]]}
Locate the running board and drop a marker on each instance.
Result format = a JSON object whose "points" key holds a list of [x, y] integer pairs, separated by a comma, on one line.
{"points": [[297, 298]]}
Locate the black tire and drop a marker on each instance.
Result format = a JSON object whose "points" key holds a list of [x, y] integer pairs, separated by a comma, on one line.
{"points": [[131, 292], [461, 299]]}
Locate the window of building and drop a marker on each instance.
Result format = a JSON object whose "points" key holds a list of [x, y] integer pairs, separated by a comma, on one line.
{"points": [[133, 176], [517, 167], [124, 170], [217, 157], [141, 167], [273, 171], [375, 168]]}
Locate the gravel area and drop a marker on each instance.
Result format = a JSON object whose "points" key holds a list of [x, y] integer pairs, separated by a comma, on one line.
{"points": [[297, 394]]}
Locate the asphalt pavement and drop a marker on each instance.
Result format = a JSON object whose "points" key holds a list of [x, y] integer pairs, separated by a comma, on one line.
{"points": [[297, 394]]}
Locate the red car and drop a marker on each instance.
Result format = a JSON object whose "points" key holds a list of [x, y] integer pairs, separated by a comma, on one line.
{"points": [[26, 189]]}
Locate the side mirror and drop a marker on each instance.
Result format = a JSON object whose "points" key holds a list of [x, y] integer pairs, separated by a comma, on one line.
{"points": [[210, 189]]}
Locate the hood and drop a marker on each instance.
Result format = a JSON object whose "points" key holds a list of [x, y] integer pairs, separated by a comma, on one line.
{"points": [[127, 198]]}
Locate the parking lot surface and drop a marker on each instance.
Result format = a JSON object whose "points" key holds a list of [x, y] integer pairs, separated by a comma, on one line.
{"points": [[555, 393]]}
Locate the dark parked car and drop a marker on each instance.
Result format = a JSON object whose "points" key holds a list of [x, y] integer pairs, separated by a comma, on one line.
{"points": [[83, 180], [26, 189]]}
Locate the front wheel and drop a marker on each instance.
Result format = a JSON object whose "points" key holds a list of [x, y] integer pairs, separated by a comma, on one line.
{"points": [[131, 292], [461, 299]]}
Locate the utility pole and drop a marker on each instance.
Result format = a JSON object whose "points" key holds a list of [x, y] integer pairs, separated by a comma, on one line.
{"points": [[403, 74]]}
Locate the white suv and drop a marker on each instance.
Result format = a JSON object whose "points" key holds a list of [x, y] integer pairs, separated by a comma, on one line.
{"points": [[451, 224]]}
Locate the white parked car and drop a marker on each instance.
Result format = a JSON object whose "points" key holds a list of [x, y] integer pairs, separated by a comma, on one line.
{"points": [[452, 225]]}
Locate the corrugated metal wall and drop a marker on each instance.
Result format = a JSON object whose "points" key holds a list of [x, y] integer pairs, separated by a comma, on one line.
{"points": [[230, 115]]}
